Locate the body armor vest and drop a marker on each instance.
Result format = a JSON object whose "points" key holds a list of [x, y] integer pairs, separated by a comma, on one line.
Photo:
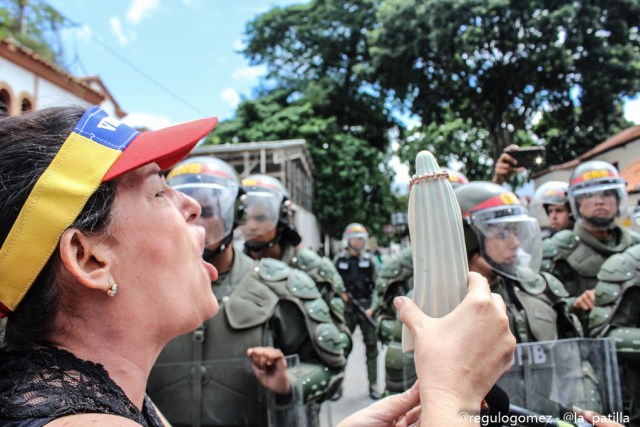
{"points": [[536, 309], [357, 274], [207, 375], [616, 298], [577, 256]]}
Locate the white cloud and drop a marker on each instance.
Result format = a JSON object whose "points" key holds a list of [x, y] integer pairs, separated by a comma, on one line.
{"points": [[116, 27], [239, 44], [249, 73], [193, 4], [632, 110], [231, 96], [146, 120], [139, 9], [84, 32]]}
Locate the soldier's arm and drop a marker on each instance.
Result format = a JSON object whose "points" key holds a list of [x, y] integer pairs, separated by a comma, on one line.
{"points": [[317, 342]]}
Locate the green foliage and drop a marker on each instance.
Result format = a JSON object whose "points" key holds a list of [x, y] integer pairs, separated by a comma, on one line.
{"points": [[35, 25], [349, 184], [315, 89], [495, 64]]}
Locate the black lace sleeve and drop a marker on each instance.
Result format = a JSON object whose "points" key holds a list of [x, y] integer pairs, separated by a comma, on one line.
{"points": [[50, 383]]}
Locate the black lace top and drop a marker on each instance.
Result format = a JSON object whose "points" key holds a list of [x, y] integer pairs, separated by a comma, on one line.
{"points": [[38, 386]]}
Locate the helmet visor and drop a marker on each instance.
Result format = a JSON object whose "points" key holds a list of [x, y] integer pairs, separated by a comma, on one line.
{"points": [[262, 210], [217, 205], [511, 242], [598, 205]]}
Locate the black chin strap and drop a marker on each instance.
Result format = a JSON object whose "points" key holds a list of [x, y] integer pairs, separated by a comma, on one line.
{"points": [[211, 255], [261, 247]]}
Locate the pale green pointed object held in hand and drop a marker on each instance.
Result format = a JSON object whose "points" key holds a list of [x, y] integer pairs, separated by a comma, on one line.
{"points": [[440, 267]]}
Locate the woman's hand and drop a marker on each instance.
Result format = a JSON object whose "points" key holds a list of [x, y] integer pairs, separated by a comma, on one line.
{"points": [[460, 356], [400, 410]]}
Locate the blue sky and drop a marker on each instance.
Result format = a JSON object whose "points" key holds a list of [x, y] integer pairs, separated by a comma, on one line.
{"points": [[169, 61], [184, 53]]}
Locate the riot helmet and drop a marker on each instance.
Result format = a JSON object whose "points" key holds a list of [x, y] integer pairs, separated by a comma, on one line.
{"points": [[355, 237], [498, 227], [597, 194], [216, 187], [551, 200], [269, 213], [456, 178]]}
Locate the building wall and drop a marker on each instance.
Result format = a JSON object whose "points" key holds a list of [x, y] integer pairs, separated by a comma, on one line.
{"points": [[42, 92]]}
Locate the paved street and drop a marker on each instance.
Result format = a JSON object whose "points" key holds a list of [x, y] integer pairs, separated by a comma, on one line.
{"points": [[356, 386]]}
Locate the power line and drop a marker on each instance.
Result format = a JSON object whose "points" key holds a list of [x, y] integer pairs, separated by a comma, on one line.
{"points": [[130, 64]]}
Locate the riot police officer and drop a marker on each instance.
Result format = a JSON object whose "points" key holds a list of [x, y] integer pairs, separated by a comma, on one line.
{"points": [[269, 232], [597, 195], [553, 198], [358, 271], [504, 244], [261, 304]]}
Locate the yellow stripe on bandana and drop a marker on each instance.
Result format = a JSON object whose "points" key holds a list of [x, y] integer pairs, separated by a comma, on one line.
{"points": [[56, 200], [54, 203]]}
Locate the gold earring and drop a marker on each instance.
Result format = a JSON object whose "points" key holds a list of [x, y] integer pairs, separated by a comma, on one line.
{"points": [[113, 289]]}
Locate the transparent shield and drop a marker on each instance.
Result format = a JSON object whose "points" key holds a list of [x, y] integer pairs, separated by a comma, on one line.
{"points": [[230, 395], [289, 410], [550, 377], [400, 369]]}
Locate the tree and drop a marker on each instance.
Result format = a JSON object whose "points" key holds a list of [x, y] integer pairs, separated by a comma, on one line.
{"points": [[35, 25], [496, 65], [314, 90], [348, 186]]}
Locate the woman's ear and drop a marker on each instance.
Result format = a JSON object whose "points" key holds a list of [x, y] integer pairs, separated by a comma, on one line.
{"points": [[86, 259]]}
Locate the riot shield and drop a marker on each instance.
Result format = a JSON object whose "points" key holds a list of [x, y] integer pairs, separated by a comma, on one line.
{"points": [[400, 369], [550, 377], [228, 395]]}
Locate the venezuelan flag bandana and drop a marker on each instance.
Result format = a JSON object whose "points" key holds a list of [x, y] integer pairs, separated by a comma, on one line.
{"points": [[57, 199], [99, 149]]}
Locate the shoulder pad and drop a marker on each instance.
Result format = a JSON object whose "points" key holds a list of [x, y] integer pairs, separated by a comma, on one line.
{"points": [[406, 258], [251, 304], [272, 270], [337, 308], [555, 285], [535, 286], [617, 268], [634, 253], [565, 239], [328, 271], [635, 236], [306, 259], [549, 248], [599, 318], [607, 292], [390, 268], [301, 285], [318, 310], [329, 341]]}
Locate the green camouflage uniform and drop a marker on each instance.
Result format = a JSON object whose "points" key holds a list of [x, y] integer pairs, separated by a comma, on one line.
{"points": [[361, 285], [261, 304], [617, 315], [329, 282], [395, 279], [575, 257]]}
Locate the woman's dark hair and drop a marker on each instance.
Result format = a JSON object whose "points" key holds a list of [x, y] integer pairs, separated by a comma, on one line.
{"points": [[28, 144]]}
